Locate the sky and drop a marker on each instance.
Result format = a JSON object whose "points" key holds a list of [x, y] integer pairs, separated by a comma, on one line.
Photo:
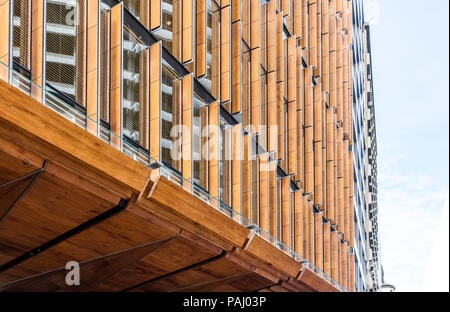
{"points": [[410, 52]]}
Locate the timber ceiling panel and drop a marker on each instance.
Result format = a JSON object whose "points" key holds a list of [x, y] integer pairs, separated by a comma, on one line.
{"points": [[177, 254], [49, 208]]}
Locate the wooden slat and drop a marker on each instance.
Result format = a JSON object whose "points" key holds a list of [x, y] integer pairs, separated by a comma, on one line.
{"points": [[246, 21], [155, 14], [330, 163], [272, 114], [187, 29], [236, 64], [200, 38], [37, 39], [300, 101], [255, 89], [351, 286], [155, 101], [297, 18], [236, 10], [305, 239], [318, 240], [272, 202], [254, 186], [311, 236], [308, 161], [298, 226], [281, 120], [214, 148], [4, 38], [187, 93], [327, 248], [313, 34], [264, 168], [334, 256], [285, 211], [305, 27], [344, 264], [279, 47], [225, 55], [271, 36], [236, 165], [246, 178]]}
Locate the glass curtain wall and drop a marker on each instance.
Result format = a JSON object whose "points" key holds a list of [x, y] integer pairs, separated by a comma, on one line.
{"points": [[225, 157]]}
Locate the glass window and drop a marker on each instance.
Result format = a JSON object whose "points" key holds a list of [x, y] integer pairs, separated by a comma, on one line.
{"points": [[135, 88], [170, 115], [225, 162], [134, 6], [65, 47], [211, 80], [200, 123], [171, 28]]}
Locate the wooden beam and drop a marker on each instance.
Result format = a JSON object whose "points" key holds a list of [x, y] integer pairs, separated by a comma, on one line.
{"points": [[314, 281], [266, 252], [172, 203], [24, 120]]}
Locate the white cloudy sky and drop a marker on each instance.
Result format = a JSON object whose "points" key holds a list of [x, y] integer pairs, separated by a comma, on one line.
{"points": [[410, 64]]}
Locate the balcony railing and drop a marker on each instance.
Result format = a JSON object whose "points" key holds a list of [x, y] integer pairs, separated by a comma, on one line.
{"points": [[76, 116]]}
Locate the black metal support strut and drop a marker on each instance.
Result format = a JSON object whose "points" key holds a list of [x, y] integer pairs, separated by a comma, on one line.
{"points": [[80, 228], [35, 174]]}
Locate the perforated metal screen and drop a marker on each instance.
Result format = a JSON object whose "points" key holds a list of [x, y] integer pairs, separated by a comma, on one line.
{"points": [[66, 47], [105, 42], [135, 63], [21, 32]]}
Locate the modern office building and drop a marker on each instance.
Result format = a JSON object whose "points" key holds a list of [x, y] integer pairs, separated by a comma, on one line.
{"points": [[195, 145], [373, 252]]}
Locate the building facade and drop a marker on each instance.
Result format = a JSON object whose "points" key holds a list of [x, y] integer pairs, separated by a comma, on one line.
{"points": [[263, 110]]}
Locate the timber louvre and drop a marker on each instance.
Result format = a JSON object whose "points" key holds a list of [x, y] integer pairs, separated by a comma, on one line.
{"points": [[139, 68]]}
